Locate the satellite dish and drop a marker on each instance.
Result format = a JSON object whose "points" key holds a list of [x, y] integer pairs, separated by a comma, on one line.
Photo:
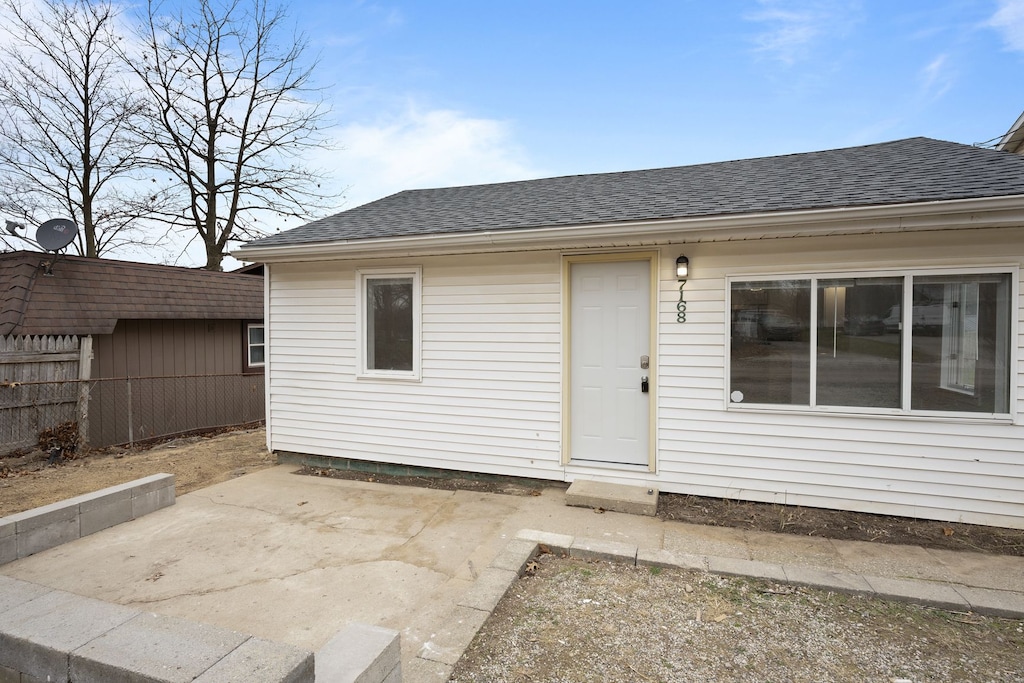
{"points": [[56, 233]]}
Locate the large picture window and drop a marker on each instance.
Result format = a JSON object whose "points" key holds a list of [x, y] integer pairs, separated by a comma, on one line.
{"points": [[897, 344], [389, 320]]}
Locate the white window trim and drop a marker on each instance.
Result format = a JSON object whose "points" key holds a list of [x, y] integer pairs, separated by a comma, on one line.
{"points": [[363, 372], [249, 345], [905, 379]]}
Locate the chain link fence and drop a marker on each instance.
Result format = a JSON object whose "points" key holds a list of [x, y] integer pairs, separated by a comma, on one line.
{"points": [[126, 410]]}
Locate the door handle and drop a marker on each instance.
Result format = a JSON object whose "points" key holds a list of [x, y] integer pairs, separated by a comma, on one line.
{"points": [[644, 385]]}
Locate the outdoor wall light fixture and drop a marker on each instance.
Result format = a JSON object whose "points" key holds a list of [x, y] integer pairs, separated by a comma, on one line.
{"points": [[682, 272], [682, 268]]}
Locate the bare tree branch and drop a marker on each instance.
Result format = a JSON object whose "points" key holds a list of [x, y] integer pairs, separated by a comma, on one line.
{"points": [[233, 113], [68, 120]]}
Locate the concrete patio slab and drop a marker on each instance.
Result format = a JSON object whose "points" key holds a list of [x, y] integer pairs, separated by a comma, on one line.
{"points": [[939, 595], [731, 566], [996, 572], [296, 559], [14, 592], [806, 550], [1007, 604], [708, 540], [659, 557], [877, 559], [600, 549]]}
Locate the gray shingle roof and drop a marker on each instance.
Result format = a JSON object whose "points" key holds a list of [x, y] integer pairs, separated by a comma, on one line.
{"points": [[903, 171]]}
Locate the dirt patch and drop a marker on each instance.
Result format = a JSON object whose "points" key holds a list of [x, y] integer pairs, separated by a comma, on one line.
{"points": [[453, 481], [841, 525], [587, 621], [29, 480]]}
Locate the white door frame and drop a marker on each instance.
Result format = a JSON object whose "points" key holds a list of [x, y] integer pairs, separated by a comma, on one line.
{"points": [[653, 258]]}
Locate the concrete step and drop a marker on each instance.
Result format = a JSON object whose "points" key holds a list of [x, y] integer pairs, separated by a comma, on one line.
{"points": [[633, 500]]}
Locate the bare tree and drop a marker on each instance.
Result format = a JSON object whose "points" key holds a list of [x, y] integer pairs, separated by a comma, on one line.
{"points": [[67, 142], [234, 112]]}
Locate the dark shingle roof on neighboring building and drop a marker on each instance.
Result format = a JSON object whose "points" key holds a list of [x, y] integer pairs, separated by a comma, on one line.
{"points": [[904, 171], [88, 296]]}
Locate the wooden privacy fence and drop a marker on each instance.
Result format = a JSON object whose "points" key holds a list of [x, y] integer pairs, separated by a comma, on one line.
{"points": [[39, 386]]}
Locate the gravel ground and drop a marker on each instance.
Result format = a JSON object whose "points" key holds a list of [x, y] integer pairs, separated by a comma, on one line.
{"points": [[597, 621]]}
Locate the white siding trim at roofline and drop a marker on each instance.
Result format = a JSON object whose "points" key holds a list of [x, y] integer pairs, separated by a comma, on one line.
{"points": [[490, 393], [924, 216]]}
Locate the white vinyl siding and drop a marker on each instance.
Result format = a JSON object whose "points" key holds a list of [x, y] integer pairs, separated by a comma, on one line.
{"points": [[940, 468], [488, 399], [491, 389]]}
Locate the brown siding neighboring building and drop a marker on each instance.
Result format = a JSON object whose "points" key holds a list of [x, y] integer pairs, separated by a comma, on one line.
{"points": [[169, 344], [162, 348]]}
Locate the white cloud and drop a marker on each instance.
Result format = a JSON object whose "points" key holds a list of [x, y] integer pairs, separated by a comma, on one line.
{"points": [[936, 78], [792, 27], [411, 149], [417, 149], [1009, 21]]}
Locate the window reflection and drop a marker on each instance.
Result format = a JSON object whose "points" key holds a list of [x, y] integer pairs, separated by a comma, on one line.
{"points": [[389, 324], [956, 335], [770, 342], [256, 345], [961, 350], [858, 355]]}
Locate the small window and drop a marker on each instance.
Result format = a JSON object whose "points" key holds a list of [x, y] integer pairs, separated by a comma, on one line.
{"points": [[389, 318], [256, 345]]}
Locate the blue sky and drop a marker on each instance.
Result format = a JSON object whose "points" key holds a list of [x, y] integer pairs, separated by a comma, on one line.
{"points": [[444, 92], [428, 94]]}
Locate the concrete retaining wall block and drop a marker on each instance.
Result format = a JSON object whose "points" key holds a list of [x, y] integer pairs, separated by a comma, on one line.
{"points": [[33, 531], [360, 653]]}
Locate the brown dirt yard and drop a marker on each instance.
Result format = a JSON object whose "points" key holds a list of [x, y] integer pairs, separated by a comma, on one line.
{"points": [[27, 481]]}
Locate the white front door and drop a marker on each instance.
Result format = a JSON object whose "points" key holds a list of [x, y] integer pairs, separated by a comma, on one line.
{"points": [[610, 332]]}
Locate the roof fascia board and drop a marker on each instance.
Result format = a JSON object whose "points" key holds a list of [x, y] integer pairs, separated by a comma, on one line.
{"points": [[1013, 140], [941, 215]]}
